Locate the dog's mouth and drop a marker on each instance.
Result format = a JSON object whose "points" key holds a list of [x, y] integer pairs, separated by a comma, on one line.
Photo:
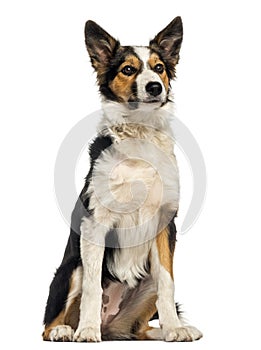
{"points": [[137, 103]]}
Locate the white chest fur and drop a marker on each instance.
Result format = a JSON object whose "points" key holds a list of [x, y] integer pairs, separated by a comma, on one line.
{"points": [[129, 264], [135, 190]]}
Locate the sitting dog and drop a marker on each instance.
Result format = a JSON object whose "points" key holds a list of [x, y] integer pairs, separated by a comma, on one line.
{"points": [[117, 271]]}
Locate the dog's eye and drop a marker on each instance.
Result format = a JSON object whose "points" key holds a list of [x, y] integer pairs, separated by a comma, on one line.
{"points": [[159, 68], [128, 70]]}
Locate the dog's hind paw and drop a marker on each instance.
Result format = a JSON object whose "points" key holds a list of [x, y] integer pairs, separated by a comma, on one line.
{"points": [[61, 333], [88, 334], [182, 334]]}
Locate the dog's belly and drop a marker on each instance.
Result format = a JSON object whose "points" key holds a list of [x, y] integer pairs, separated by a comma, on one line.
{"points": [[120, 299], [112, 297]]}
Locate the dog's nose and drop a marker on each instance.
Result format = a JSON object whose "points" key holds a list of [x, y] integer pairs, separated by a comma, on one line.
{"points": [[154, 88]]}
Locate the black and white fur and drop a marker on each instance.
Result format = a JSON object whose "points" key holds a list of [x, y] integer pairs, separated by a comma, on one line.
{"points": [[117, 272]]}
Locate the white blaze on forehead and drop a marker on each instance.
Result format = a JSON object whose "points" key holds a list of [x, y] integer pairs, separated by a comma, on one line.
{"points": [[147, 75], [143, 54]]}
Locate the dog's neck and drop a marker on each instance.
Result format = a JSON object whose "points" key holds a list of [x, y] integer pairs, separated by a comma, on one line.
{"points": [[117, 114], [142, 124]]}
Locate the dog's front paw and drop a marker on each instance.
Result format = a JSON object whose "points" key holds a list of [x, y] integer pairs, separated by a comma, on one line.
{"points": [[89, 334], [183, 334]]}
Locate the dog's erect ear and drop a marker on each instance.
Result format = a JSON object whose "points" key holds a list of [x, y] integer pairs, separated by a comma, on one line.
{"points": [[100, 45], [168, 42]]}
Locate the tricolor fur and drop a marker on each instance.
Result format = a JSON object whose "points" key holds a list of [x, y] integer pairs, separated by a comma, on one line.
{"points": [[117, 270]]}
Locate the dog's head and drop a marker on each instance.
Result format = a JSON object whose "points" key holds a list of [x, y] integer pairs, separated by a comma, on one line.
{"points": [[135, 75]]}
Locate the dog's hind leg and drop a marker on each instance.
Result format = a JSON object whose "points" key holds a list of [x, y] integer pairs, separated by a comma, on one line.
{"points": [[62, 310], [156, 333], [61, 313]]}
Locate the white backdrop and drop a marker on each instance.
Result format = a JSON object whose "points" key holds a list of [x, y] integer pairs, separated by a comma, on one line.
{"points": [[47, 85]]}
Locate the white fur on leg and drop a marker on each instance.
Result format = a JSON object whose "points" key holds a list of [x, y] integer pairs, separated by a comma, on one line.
{"points": [[91, 301]]}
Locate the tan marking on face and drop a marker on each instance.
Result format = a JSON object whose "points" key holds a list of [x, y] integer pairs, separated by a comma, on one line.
{"points": [[121, 85], [153, 61], [165, 255]]}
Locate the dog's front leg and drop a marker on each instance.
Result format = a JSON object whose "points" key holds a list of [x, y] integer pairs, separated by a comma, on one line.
{"points": [[92, 252], [162, 272]]}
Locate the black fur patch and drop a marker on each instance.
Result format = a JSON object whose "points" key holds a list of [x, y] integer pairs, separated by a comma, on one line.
{"points": [[172, 235], [111, 243], [133, 100], [95, 150], [59, 290]]}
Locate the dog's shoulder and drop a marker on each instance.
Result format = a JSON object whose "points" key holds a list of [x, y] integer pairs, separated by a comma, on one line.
{"points": [[98, 145]]}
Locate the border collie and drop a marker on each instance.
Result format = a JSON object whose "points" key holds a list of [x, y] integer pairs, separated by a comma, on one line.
{"points": [[117, 271]]}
